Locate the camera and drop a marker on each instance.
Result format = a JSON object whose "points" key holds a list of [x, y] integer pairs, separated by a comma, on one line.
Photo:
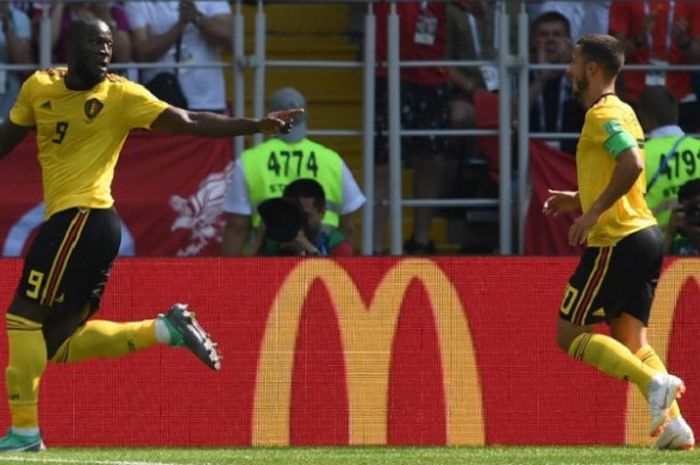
{"points": [[692, 214]]}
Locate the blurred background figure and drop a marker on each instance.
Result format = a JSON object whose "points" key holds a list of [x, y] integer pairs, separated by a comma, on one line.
{"points": [[584, 16], [659, 33], [683, 232], [425, 104], [312, 238], [670, 155], [15, 48], [553, 107], [187, 32], [264, 171], [470, 35], [469, 31]]}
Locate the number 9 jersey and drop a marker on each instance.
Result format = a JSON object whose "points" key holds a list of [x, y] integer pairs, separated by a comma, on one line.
{"points": [[80, 133]]}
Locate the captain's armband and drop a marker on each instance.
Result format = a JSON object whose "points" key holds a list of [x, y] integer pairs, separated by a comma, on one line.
{"points": [[618, 139]]}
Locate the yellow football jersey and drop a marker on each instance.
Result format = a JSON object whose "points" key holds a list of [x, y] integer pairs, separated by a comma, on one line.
{"points": [[80, 133], [607, 122]]}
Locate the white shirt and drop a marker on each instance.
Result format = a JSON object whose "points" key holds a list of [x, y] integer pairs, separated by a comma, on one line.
{"points": [[238, 198], [665, 131], [203, 87]]}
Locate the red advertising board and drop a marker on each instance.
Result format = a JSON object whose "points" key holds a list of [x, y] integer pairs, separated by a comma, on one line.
{"points": [[359, 351]]}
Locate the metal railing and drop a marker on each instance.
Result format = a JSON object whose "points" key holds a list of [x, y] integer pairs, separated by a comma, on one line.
{"points": [[508, 64]]}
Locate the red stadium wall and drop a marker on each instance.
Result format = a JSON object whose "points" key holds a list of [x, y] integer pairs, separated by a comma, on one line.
{"points": [[360, 351]]}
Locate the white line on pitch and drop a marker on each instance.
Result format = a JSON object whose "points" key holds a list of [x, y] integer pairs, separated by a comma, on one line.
{"points": [[25, 459]]}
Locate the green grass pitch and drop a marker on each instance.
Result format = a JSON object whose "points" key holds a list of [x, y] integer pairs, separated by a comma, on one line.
{"points": [[358, 456]]}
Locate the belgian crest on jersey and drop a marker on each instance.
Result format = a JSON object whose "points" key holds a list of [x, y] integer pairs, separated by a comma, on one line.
{"points": [[93, 107]]}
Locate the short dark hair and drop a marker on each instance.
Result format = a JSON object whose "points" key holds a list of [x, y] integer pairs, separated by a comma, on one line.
{"points": [[551, 17], [658, 103], [306, 188], [79, 29], [605, 50], [689, 190]]}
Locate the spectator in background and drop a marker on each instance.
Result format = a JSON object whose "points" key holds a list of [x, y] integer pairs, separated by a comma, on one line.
{"points": [[682, 235], [312, 238], [659, 33], [25, 7], [186, 32], [15, 48], [469, 37], [425, 103], [264, 171], [670, 155], [64, 13], [553, 107], [585, 17]]}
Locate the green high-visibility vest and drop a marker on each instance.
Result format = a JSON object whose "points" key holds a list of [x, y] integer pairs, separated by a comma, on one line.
{"points": [[270, 166], [681, 168]]}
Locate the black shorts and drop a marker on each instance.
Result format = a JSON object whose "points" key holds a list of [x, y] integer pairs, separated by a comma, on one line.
{"points": [[613, 280], [422, 107], [69, 261]]}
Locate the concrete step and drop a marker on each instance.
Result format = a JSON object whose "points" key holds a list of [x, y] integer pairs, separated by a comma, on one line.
{"points": [[305, 19], [328, 47]]}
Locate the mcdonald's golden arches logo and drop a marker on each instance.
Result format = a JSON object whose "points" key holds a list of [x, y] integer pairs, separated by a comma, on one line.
{"points": [[663, 311], [367, 333]]}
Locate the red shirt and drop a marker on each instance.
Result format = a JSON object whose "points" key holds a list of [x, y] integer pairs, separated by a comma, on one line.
{"points": [[409, 15], [627, 18], [344, 249]]}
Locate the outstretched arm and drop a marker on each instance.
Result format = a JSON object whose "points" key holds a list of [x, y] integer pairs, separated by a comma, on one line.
{"points": [[11, 134], [175, 120]]}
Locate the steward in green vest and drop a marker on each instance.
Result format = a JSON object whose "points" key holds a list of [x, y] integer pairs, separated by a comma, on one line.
{"points": [[671, 157], [272, 165], [674, 169], [263, 172]]}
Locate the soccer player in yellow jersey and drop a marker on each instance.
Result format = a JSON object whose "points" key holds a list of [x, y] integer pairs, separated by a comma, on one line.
{"points": [[82, 115], [617, 274]]}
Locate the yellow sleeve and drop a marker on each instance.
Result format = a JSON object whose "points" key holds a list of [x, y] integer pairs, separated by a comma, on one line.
{"points": [[22, 113], [141, 107]]}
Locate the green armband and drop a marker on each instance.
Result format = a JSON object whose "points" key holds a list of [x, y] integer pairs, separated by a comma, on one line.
{"points": [[619, 140]]}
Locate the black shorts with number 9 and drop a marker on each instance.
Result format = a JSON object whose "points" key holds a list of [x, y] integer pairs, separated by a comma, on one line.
{"points": [[613, 280], [68, 263]]}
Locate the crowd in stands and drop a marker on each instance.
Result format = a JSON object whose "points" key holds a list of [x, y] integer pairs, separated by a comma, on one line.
{"points": [[150, 32], [654, 32]]}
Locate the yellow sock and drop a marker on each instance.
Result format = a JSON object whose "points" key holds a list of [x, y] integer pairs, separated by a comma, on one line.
{"points": [[648, 355], [613, 358], [26, 364], [100, 338]]}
